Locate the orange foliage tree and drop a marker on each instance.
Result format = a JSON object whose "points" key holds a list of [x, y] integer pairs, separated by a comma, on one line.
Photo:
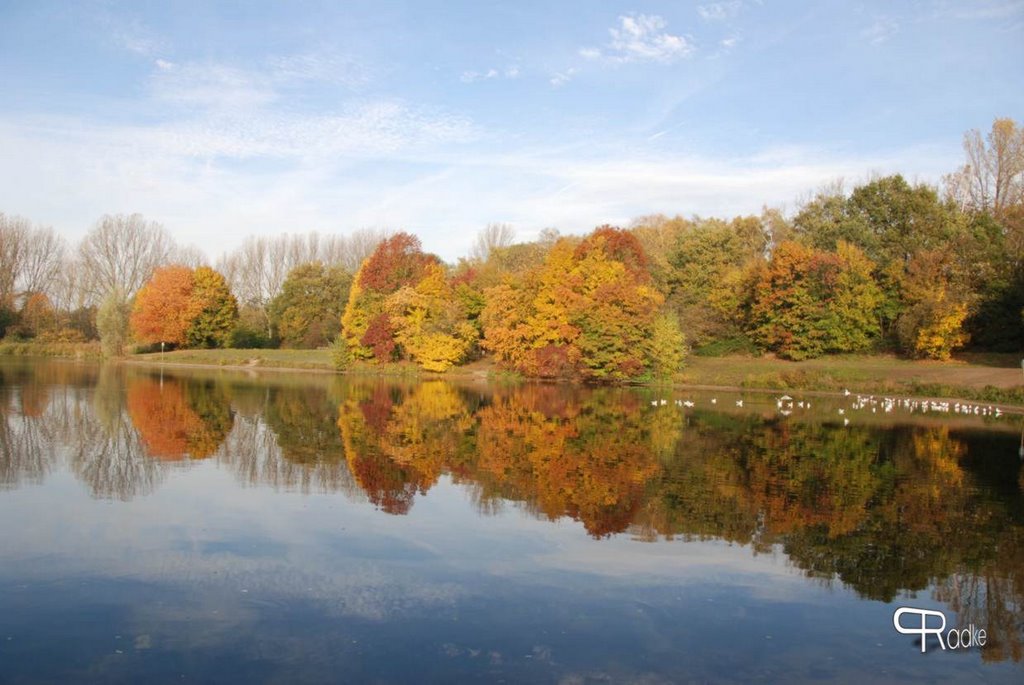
{"points": [[179, 306], [403, 305], [587, 312], [163, 309]]}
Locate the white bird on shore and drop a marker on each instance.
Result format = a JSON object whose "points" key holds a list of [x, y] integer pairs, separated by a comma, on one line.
{"points": [[739, 403]]}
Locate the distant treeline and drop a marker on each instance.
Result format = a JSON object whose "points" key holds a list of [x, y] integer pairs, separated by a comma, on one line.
{"points": [[889, 266]]}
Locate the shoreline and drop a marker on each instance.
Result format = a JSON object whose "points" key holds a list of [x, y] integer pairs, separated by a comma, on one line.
{"points": [[990, 382], [958, 393]]}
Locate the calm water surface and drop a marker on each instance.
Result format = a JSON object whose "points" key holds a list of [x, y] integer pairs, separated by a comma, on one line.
{"points": [[218, 527]]}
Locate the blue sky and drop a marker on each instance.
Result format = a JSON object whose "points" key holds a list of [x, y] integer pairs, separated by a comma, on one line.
{"points": [[226, 119]]}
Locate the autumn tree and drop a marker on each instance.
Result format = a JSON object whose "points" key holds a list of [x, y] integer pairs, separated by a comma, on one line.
{"points": [[397, 262], [112, 323], [707, 256], [430, 322], [213, 308], [992, 180], [307, 311], [667, 347], [809, 302], [586, 312], [163, 311], [932, 325]]}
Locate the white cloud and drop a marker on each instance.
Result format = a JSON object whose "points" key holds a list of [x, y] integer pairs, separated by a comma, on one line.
{"points": [[978, 9], [640, 38], [728, 43], [134, 37], [560, 78], [509, 72], [719, 11], [323, 67], [387, 165], [214, 85], [880, 31], [590, 53], [210, 86]]}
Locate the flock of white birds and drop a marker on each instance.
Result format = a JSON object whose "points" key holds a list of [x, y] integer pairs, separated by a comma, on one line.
{"points": [[787, 404]]}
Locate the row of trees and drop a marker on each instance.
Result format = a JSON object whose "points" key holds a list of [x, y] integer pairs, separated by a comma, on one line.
{"points": [[890, 265]]}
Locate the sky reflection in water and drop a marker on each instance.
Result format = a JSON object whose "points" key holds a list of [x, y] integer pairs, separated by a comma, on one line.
{"points": [[232, 528]]}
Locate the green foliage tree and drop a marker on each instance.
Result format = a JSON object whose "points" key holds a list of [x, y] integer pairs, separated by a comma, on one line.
{"points": [[112, 323], [307, 312], [706, 260], [808, 302], [667, 347], [214, 310]]}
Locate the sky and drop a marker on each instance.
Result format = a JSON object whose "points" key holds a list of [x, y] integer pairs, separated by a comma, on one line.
{"points": [[222, 120]]}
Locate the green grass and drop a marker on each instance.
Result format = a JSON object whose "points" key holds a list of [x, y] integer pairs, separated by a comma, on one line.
{"points": [[992, 378], [89, 350], [275, 359]]}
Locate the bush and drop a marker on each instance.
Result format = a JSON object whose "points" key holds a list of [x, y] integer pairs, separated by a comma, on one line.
{"points": [[244, 338]]}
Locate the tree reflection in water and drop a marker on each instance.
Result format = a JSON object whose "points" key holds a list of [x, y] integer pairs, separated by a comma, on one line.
{"points": [[885, 510]]}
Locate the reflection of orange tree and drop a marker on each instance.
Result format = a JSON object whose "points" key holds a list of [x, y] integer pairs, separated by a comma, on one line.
{"points": [[592, 461], [176, 420], [884, 511]]}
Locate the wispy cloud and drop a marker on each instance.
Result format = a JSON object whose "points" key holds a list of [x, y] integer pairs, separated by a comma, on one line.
{"points": [[134, 36], [881, 30], [719, 11], [210, 86], [322, 67], [641, 38], [979, 9], [215, 85], [509, 72], [559, 79]]}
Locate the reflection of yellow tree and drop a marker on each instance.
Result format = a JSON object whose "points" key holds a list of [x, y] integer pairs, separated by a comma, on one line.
{"points": [[402, 451], [592, 461], [882, 510], [175, 421]]}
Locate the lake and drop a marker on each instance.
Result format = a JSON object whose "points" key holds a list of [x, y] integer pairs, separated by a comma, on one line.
{"points": [[206, 526]]}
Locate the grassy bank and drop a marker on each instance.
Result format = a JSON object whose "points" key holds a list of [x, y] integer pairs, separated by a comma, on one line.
{"points": [[318, 360], [88, 350], [991, 378]]}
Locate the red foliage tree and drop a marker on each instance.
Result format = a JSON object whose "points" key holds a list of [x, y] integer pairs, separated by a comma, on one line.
{"points": [[398, 261], [380, 337]]}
